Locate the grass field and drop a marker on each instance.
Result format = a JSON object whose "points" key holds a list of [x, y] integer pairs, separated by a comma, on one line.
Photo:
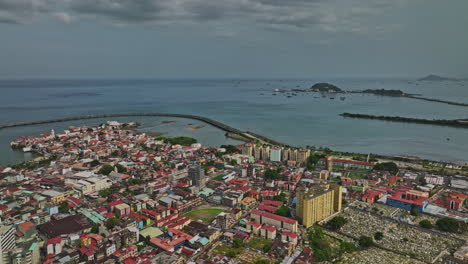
{"points": [[206, 215], [259, 243]]}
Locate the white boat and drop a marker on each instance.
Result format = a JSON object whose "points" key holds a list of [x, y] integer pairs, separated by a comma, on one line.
{"points": [[27, 149]]}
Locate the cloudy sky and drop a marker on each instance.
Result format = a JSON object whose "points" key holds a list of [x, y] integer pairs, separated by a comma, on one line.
{"points": [[232, 38]]}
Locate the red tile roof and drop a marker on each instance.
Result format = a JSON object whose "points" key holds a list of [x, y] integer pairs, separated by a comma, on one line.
{"points": [[269, 228], [273, 216]]}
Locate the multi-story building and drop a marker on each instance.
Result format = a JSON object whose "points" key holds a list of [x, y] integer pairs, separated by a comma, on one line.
{"points": [[286, 154], [277, 221], [196, 173], [247, 149], [330, 162], [316, 203], [251, 171], [7, 242], [275, 154], [266, 153], [302, 155]]}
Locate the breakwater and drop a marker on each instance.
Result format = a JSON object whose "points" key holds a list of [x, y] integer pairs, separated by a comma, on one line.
{"points": [[209, 121], [435, 100], [440, 122]]}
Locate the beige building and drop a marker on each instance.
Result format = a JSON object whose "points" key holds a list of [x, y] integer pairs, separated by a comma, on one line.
{"points": [[302, 155], [317, 203], [324, 174], [247, 149], [268, 232], [277, 221]]}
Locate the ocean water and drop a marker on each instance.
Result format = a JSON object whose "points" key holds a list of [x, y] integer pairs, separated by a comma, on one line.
{"points": [[249, 105]]}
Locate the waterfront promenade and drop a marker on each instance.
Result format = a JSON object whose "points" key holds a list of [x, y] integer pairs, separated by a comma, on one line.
{"points": [[224, 127]]}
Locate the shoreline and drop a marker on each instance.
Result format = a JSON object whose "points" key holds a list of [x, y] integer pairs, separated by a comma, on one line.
{"points": [[230, 131]]}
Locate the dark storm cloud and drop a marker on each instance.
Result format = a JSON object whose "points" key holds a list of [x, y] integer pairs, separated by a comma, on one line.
{"points": [[120, 10], [327, 15]]}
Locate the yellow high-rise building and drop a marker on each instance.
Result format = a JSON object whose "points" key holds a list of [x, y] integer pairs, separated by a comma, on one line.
{"points": [[318, 202]]}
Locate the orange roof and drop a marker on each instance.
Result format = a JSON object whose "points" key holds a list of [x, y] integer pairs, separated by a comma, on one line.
{"points": [[26, 225]]}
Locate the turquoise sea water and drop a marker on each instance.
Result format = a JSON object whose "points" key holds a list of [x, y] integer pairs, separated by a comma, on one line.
{"points": [[249, 105]]}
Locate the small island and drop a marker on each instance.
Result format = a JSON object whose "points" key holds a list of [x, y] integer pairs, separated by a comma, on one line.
{"points": [[436, 78]]}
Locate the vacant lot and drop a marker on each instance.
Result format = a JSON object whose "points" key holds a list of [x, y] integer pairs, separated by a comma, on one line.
{"points": [[206, 215], [259, 243]]}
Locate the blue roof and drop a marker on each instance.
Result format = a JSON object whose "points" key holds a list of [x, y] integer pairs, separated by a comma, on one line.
{"points": [[203, 240]]}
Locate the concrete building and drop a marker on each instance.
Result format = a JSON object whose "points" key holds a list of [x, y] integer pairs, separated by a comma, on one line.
{"points": [[251, 171], [275, 154], [302, 155], [277, 221], [317, 203], [324, 174], [268, 232], [247, 149], [7, 242], [254, 227], [286, 154], [266, 153], [196, 173]]}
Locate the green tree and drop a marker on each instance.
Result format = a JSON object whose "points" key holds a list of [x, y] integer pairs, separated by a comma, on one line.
{"points": [[313, 159], [233, 162], [267, 247], [106, 169], [283, 211], [63, 208], [337, 222], [387, 166], [272, 174], [280, 197], [378, 235], [448, 224], [120, 168], [347, 247], [95, 229], [95, 163], [315, 232], [425, 224], [365, 241], [414, 212], [262, 261], [112, 222], [230, 148], [238, 243]]}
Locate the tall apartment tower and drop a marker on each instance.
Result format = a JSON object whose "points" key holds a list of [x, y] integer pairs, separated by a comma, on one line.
{"points": [[7, 242], [293, 154], [316, 203], [275, 154], [247, 149], [196, 173], [266, 153], [302, 155], [258, 152], [285, 155], [338, 197]]}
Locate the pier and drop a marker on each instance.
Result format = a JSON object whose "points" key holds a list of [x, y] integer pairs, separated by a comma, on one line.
{"points": [[209, 121]]}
